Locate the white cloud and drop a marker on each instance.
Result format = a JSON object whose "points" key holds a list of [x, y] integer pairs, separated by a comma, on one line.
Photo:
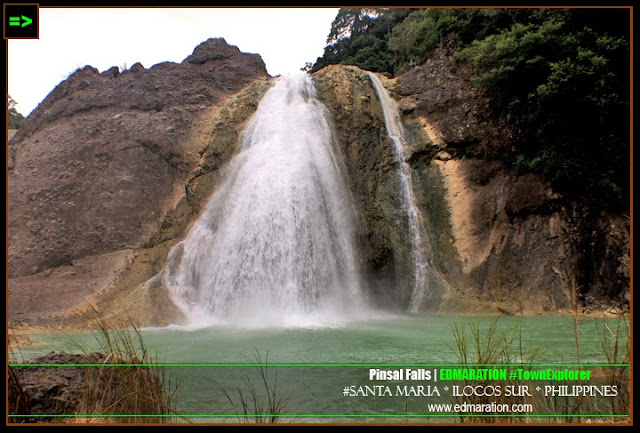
{"points": [[286, 38]]}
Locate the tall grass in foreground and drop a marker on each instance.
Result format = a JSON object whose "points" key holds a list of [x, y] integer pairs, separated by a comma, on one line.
{"points": [[18, 401], [137, 387], [17, 398], [493, 346], [259, 402], [615, 348]]}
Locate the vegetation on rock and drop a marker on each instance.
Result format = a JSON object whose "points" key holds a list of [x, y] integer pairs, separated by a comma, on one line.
{"points": [[559, 77], [360, 37], [15, 118]]}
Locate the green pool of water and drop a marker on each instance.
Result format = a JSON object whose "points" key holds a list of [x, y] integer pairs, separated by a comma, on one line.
{"points": [[390, 339], [415, 338]]}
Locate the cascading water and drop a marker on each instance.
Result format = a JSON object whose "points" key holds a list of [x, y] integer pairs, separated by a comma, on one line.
{"points": [[276, 242], [416, 227]]}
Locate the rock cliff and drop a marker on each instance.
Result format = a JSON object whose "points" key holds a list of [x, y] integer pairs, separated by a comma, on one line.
{"points": [[500, 242], [520, 246], [372, 169], [109, 171], [111, 166]]}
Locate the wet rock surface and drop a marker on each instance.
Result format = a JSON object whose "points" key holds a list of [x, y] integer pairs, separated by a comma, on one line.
{"points": [[517, 243], [373, 175], [504, 243]]}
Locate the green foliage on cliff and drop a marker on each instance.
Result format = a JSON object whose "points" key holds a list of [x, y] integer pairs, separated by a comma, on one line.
{"points": [[559, 78], [360, 36], [15, 118], [424, 30]]}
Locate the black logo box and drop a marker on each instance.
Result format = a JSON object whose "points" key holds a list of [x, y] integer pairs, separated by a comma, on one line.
{"points": [[29, 10]]}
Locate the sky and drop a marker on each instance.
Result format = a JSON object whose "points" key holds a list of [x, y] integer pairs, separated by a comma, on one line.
{"points": [[70, 38]]}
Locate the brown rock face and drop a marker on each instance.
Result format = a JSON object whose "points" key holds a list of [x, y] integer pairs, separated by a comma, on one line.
{"points": [[103, 163], [500, 242], [52, 390], [374, 179], [440, 95], [97, 161], [108, 172], [510, 235]]}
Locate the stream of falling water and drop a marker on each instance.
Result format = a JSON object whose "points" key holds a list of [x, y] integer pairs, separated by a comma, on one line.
{"points": [[275, 244], [416, 227]]}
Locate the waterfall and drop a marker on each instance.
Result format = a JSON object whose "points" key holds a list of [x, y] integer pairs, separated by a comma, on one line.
{"points": [[416, 227], [275, 243]]}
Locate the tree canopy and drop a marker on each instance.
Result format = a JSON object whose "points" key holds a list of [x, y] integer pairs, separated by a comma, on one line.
{"points": [[359, 36], [559, 77]]}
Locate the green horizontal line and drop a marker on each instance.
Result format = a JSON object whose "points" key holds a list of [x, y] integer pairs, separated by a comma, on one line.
{"points": [[357, 415], [313, 365]]}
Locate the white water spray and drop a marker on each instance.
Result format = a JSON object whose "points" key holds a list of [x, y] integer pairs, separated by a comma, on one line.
{"points": [[416, 227], [275, 244]]}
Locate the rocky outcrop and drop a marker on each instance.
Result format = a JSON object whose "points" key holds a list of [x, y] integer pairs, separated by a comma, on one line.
{"points": [[62, 387], [100, 171], [510, 237], [499, 242], [372, 170], [524, 248], [518, 246], [109, 171], [440, 97], [50, 391]]}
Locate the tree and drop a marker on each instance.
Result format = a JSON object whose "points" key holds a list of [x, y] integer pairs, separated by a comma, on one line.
{"points": [[351, 22], [359, 36], [564, 87], [558, 77], [15, 118]]}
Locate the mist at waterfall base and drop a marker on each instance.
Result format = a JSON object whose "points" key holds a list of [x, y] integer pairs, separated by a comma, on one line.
{"points": [[275, 245]]}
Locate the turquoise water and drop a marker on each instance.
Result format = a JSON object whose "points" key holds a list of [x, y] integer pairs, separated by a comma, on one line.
{"points": [[407, 338], [392, 339]]}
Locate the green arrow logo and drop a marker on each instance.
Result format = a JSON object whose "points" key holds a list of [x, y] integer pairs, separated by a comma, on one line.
{"points": [[15, 21]]}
